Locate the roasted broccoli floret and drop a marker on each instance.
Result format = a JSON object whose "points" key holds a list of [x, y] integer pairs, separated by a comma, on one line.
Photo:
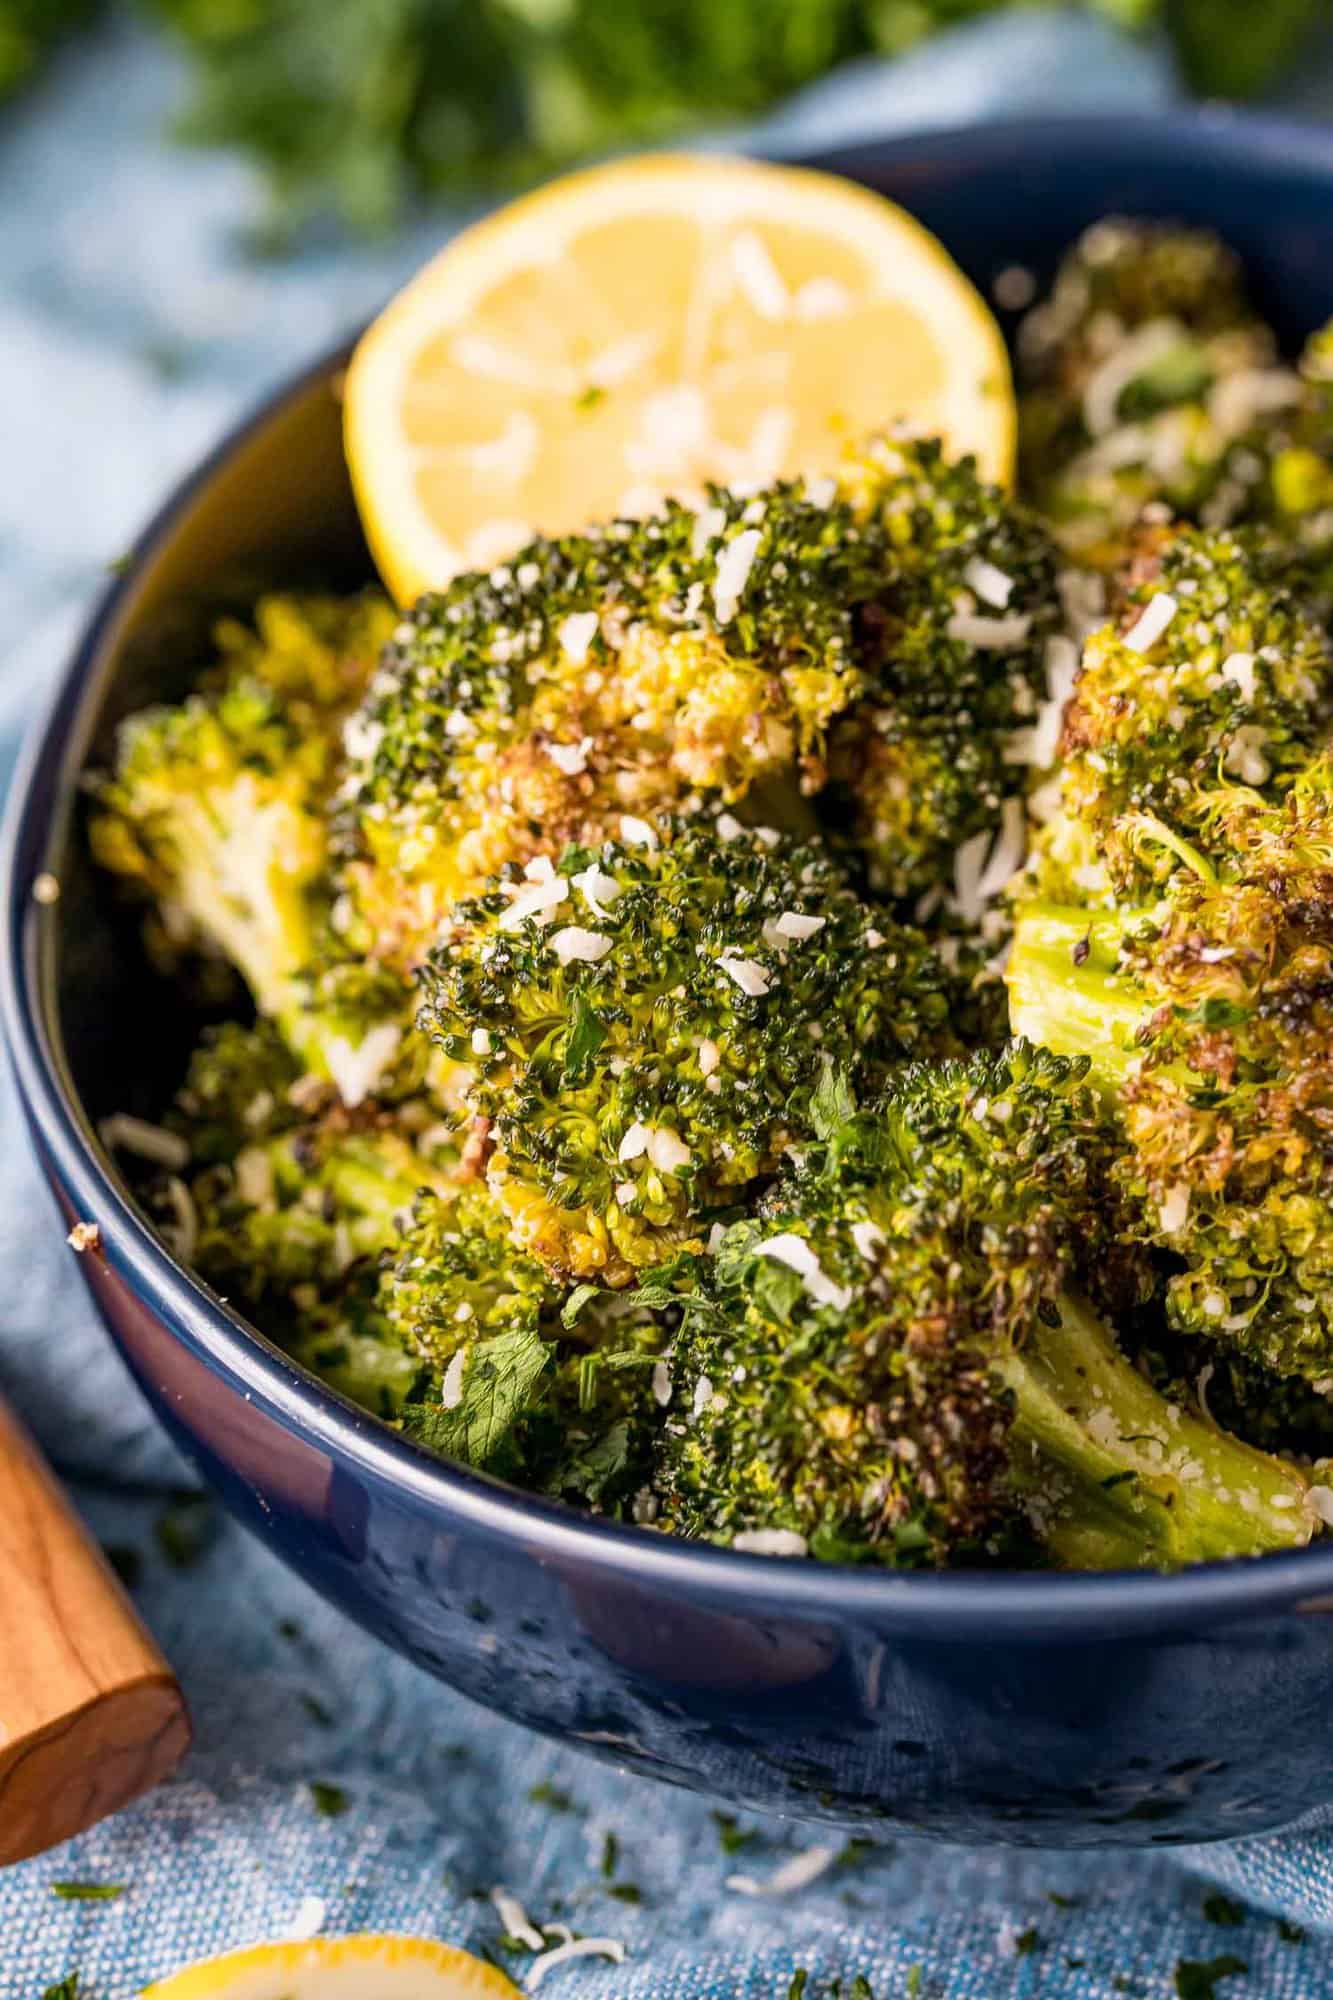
{"points": [[705, 656], [218, 808], [510, 1382], [289, 1201], [1206, 1008], [649, 1020], [890, 1364], [1147, 377], [1215, 676], [954, 650]]}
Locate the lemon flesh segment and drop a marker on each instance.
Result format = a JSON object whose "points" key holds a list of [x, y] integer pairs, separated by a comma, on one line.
{"points": [[635, 331], [381, 1967]]}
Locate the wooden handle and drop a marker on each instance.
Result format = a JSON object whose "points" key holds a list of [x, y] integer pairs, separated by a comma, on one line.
{"points": [[89, 1713]]}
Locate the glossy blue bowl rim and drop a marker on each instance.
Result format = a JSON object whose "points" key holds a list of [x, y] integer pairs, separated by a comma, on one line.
{"points": [[958, 1606]]}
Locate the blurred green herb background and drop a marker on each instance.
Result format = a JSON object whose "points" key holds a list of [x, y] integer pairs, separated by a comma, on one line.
{"points": [[359, 106]]}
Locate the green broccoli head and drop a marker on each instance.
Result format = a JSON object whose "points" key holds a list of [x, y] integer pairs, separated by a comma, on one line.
{"points": [[289, 1200], [954, 650], [705, 655], [242, 1083], [649, 1022], [506, 1383], [217, 807], [1206, 1011], [1147, 379], [1216, 678], [889, 1363]]}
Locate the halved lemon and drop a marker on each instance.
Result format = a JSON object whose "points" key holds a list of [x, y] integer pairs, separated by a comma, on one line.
{"points": [[636, 330], [348, 1968]]}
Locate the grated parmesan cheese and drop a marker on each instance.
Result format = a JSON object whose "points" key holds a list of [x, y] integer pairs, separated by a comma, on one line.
{"points": [[543, 894], [1127, 360], [797, 1873], [357, 1070], [796, 1254], [988, 635], [1245, 757], [309, 1919], [588, 1947], [758, 276], [1174, 1212], [571, 758], [1151, 622], [598, 889], [253, 1173], [770, 1542], [988, 583], [1239, 667], [451, 1388], [573, 943], [636, 832], [667, 1150], [1006, 856], [576, 633], [661, 1384], [751, 978], [634, 1143], [733, 573], [516, 1920], [791, 924], [124, 1134], [84, 1236]]}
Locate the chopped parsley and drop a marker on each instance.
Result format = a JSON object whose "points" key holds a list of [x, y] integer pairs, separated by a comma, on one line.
{"points": [[1027, 1942], [330, 1800], [89, 1892], [799, 1978], [1196, 1978], [1289, 1932], [64, 1989], [547, 1794], [317, 1710], [610, 1856], [625, 1892], [1224, 1910], [914, 1977], [732, 1837], [185, 1529]]}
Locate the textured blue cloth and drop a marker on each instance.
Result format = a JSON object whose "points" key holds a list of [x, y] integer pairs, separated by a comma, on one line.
{"points": [[132, 330]]}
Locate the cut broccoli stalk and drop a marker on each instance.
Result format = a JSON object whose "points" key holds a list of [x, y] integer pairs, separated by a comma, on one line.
{"points": [[1065, 992], [1115, 1477]]}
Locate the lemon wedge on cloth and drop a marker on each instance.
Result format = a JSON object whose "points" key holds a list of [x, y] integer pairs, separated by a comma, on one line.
{"points": [[634, 331], [347, 1968]]}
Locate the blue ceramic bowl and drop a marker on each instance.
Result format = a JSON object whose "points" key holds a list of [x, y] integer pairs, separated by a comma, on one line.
{"points": [[1053, 1709]]}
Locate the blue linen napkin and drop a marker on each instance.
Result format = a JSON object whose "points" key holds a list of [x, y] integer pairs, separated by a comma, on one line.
{"points": [[132, 330]]}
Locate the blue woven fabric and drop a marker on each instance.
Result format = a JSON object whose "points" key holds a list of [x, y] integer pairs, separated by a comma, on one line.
{"points": [[132, 330]]}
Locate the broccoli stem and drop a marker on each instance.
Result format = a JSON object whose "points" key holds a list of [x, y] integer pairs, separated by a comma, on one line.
{"points": [[1115, 1477], [1065, 993]]}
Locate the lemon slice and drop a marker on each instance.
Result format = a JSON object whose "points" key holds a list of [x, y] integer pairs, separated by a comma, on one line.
{"points": [[348, 1968], [636, 330]]}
